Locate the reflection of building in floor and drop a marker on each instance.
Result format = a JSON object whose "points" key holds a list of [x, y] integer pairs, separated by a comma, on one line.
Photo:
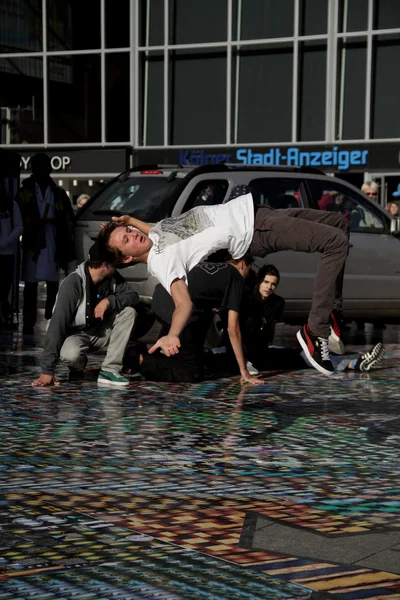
{"points": [[163, 491]]}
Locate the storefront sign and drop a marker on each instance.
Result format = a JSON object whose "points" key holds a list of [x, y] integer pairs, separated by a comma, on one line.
{"points": [[339, 158], [76, 162]]}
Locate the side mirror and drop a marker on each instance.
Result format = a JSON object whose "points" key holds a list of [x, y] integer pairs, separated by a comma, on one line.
{"points": [[395, 225]]}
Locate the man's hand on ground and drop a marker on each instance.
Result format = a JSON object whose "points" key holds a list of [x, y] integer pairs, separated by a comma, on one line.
{"points": [[101, 308], [245, 377], [169, 343], [44, 380]]}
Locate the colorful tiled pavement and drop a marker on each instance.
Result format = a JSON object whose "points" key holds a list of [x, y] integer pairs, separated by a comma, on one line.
{"points": [[154, 491]]}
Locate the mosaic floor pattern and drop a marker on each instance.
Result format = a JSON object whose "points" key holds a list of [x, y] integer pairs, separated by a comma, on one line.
{"points": [[170, 491]]}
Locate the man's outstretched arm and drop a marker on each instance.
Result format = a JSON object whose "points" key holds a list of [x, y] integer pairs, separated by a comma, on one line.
{"points": [[127, 220], [235, 337], [183, 309]]}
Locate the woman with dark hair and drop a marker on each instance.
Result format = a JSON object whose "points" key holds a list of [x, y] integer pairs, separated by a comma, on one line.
{"points": [[10, 232]]}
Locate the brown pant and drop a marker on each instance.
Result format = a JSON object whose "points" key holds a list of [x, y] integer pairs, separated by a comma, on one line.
{"points": [[307, 230]]}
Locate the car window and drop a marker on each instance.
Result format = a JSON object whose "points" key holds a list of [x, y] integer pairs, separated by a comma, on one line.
{"points": [[277, 192], [207, 193], [334, 197], [143, 197]]}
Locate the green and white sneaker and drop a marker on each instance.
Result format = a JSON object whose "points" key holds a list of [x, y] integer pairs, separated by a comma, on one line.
{"points": [[112, 378]]}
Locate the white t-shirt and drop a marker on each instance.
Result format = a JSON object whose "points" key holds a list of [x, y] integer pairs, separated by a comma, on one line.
{"points": [[180, 243]]}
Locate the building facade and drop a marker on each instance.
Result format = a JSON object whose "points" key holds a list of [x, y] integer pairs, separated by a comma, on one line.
{"points": [[122, 82]]}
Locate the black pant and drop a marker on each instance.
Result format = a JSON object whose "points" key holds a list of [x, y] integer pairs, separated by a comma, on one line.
{"points": [[30, 301], [307, 230], [186, 366], [6, 279]]}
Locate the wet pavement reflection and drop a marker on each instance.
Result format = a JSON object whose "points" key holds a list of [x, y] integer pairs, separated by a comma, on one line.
{"points": [[213, 490]]}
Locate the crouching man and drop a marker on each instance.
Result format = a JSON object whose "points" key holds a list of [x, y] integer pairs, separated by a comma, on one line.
{"points": [[95, 308]]}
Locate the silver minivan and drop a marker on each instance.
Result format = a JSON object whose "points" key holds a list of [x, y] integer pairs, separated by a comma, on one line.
{"points": [[372, 277]]}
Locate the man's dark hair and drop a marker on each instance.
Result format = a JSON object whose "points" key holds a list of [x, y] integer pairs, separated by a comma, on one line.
{"points": [[267, 270], [248, 259], [224, 256], [114, 256]]}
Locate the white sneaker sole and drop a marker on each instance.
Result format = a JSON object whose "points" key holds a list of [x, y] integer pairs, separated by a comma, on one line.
{"points": [[310, 358], [112, 383]]}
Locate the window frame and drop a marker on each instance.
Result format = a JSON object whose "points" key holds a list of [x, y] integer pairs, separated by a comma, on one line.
{"points": [[353, 192], [302, 189]]}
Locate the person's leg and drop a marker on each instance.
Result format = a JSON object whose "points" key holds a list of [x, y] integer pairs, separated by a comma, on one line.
{"points": [[303, 230], [30, 306], [115, 333], [7, 272], [74, 351], [186, 366], [51, 294]]}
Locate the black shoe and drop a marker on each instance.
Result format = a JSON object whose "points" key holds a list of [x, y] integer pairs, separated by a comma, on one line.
{"points": [[335, 341], [75, 375], [316, 349], [368, 360]]}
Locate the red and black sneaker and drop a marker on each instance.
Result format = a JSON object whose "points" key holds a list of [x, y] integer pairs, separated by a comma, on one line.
{"points": [[316, 349], [335, 341]]}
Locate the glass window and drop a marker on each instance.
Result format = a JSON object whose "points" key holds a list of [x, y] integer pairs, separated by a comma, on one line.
{"points": [[191, 22], [151, 22], [336, 198], [313, 17], [261, 19], [265, 94], [21, 26], [151, 98], [386, 14], [21, 100], [312, 91], [198, 97], [145, 197], [352, 59], [353, 15], [69, 27], [74, 98], [117, 24], [386, 88], [117, 97], [207, 193], [277, 193]]}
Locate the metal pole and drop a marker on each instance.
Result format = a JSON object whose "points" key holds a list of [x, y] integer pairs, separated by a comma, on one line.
{"points": [[146, 75], [229, 74], [342, 72], [368, 76], [295, 81], [166, 66], [103, 70], [237, 73], [45, 83]]}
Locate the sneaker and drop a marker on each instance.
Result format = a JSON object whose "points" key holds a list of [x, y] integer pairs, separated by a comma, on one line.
{"points": [[75, 375], [335, 342], [368, 360], [251, 368], [112, 378], [316, 349]]}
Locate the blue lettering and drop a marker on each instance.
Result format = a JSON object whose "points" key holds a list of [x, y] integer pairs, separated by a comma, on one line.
{"points": [[355, 157], [183, 157], [257, 159], [293, 157], [277, 156], [304, 159], [343, 160], [364, 157], [326, 159], [315, 159], [241, 156]]}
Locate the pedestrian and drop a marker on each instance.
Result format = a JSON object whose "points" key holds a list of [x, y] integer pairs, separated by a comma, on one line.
{"points": [[95, 309], [47, 241], [81, 200], [211, 286], [393, 208], [10, 231], [173, 246], [370, 189]]}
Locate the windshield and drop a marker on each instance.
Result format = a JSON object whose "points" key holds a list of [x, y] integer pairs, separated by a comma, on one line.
{"points": [[144, 197]]}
